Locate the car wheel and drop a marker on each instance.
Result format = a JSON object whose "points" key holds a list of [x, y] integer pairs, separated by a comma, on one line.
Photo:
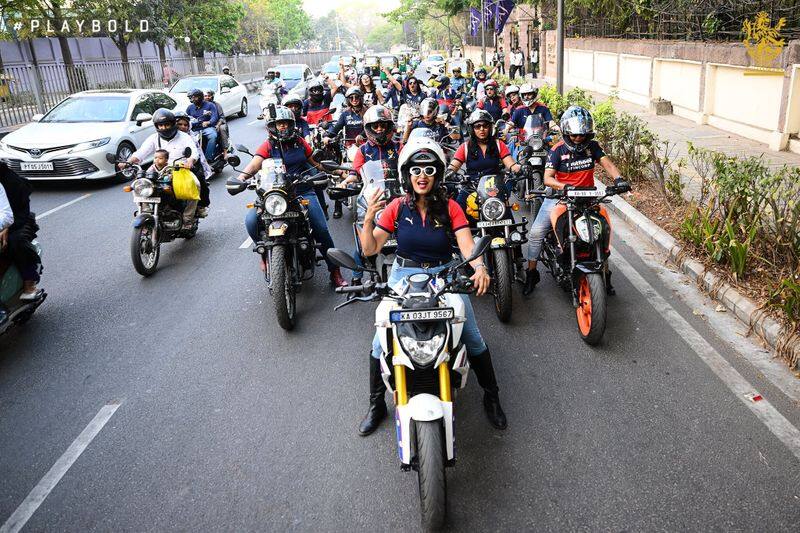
{"points": [[124, 151], [243, 108]]}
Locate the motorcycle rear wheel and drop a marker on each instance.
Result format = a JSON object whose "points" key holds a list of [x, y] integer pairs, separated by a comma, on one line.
{"points": [[591, 311], [431, 475], [283, 296], [503, 279], [144, 263]]}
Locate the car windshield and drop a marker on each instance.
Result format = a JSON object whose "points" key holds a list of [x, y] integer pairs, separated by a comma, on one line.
{"points": [[187, 84], [330, 68], [435, 58], [290, 73], [89, 109]]}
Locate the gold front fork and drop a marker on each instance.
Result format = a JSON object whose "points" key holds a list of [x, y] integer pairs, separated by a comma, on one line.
{"points": [[400, 391], [444, 382]]}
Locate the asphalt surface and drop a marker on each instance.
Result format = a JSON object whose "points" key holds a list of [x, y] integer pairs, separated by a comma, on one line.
{"points": [[228, 423]]}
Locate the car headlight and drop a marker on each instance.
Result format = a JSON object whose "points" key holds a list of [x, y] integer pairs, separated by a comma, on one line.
{"points": [[582, 227], [493, 209], [275, 204], [143, 187], [90, 144], [422, 352]]}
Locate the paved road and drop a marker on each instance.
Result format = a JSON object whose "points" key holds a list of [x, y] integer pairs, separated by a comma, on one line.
{"points": [[224, 422]]}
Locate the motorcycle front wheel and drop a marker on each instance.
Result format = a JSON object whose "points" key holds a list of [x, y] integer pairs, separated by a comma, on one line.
{"points": [[591, 311], [283, 297], [143, 254], [432, 480], [503, 279]]}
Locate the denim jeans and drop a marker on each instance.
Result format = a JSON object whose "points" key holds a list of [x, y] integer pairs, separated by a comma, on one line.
{"points": [[210, 137], [470, 335], [539, 228], [316, 218]]}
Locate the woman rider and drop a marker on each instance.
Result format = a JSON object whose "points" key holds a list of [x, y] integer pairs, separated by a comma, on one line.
{"points": [[482, 153], [285, 143], [423, 222]]}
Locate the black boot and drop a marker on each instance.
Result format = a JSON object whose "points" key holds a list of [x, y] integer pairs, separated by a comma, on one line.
{"points": [[531, 279], [609, 287], [377, 404], [337, 209], [484, 371]]}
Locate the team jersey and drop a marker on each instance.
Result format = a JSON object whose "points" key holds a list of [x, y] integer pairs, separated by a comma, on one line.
{"points": [[370, 151], [521, 114], [575, 168], [316, 113], [493, 107], [294, 153], [351, 122], [483, 164], [440, 130]]}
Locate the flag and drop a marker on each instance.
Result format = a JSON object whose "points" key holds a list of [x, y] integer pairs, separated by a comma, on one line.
{"points": [[474, 21], [488, 12], [502, 10]]}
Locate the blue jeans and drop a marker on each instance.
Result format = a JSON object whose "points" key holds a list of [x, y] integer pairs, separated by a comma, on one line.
{"points": [[470, 335], [316, 218], [210, 138], [539, 228]]}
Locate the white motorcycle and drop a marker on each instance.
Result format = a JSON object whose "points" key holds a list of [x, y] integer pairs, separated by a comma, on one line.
{"points": [[419, 322], [269, 95]]}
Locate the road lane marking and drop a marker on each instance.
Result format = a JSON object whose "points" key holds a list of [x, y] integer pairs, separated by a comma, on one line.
{"points": [[740, 387], [256, 121], [35, 498], [246, 244], [62, 206]]}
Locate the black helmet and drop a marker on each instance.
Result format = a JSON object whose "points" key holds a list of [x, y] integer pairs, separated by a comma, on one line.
{"points": [[444, 109], [165, 116], [194, 92], [576, 120], [354, 91], [378, 114], [443, 81], [479, 72], [209, 92], [480, 115], [282, 114], [315, 90], [293, 99], [182, 115]]}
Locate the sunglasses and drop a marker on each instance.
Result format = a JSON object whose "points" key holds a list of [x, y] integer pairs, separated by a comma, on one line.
{"points": [[417, 171], [481, 126], [354, 97]]}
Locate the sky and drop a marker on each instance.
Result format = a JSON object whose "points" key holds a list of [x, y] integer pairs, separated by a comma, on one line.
{"points": [[318, 8]]}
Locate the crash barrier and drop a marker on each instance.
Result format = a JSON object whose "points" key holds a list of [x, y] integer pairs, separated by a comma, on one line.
{"points": [[26, 90]]}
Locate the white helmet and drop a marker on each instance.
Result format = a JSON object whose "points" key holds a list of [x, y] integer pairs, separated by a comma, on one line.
{"points": [[420, 151], [528, 89], [511, 89]]}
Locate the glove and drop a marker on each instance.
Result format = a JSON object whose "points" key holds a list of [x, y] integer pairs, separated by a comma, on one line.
{"points": [[448, 175], [621, 184]]}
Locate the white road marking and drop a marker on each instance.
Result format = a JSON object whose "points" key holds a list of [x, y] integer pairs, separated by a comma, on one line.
{"points": [[62, 206], [740, 387], [246, 244], [35, 498], [256, 121]]}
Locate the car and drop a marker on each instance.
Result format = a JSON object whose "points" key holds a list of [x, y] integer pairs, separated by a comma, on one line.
{"points": [[231, 94], [71, 140], [334, 59], [295, 77], [433, 65], [331, 68]]}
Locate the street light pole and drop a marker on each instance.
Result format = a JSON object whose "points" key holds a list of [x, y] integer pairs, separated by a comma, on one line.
{"points": [[560, 49]]}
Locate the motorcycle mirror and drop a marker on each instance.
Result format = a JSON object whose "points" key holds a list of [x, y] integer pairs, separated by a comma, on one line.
{"points": [[111, 158], [315, 155], [235, 186], [343, 259], [328, 164], [242, 148], [187, 152], [480, 247], [234, 161]]}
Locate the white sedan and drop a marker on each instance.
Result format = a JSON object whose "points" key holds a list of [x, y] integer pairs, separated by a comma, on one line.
{"points": [[230, 94], [70, 142]]}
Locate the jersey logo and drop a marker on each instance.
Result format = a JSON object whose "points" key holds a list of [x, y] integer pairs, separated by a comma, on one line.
{"points": [[565, 157], [409, 220]]}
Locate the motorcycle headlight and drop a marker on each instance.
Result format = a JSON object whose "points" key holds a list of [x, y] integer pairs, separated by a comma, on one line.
{"points": [[493, 209], [275, 204], [143, 187], [90, 144], [422, 352], [537, 144], [582, 228]]}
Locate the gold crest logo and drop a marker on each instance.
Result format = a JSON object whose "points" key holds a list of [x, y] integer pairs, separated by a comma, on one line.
{"points": [[763, 42]]}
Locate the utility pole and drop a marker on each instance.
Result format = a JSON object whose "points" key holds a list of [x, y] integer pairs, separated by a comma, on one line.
{"points": [[483, 31], [560, 49], [338, 35]]}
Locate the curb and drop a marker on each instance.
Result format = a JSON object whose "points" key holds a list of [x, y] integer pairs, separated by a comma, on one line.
{"points": [[745, 309]]}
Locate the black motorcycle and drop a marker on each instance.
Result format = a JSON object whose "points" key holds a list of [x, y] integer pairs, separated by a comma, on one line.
{"points": [[576, 251], [490, 212], [285, 240], [159, 215], [532, 155]]}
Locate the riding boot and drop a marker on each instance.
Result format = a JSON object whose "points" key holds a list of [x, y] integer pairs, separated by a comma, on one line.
{"points": [[337, 209], [377, 403], [609, 287], [531, 279], [484, 371]]}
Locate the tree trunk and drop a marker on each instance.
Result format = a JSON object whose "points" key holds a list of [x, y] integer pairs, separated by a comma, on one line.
{"points": [[122, 46], [162, 54]]}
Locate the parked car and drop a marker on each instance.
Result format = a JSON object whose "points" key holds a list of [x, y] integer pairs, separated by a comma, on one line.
{"points": [[231, 94], [295, 78], [70, 141]]}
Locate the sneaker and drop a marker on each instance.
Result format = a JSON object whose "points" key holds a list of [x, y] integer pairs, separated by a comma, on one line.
{"points": [[202, 212], [531, 279]]}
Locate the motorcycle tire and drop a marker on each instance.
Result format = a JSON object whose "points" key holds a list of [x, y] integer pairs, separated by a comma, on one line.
{"points": [[144, 263], [591, 311], [283, 296], [503, 281], [431, 475]]}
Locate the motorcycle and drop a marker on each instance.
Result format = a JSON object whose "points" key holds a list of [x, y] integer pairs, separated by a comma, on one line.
{"points": [[269, 95], [159, 215], [285, 240], [576, 251], [491, 213], [533, 157], [420, 322], [218, 162], [14, 311]]}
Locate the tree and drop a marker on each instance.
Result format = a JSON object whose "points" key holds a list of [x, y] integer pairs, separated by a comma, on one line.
{"points": [[328, 31], [211, 25], [383, 37], [435, 18]]}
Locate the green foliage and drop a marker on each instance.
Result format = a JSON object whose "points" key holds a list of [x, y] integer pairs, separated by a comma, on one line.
{"points": [[383, 37], [212, 25], [786, 296]]}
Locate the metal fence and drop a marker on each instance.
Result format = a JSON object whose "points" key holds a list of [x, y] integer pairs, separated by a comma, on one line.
{"points": [[27, 90]]}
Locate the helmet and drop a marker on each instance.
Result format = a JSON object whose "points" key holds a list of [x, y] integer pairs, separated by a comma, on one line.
{"points": [[480, 72], [194, 92], [491, 84], [480, 115], [443, 81], [182, 115], [576, 120], [165, 116], [354, 91], [511, 89], [444, 109], [281, 114], [315, 90], [226, 69], [293, 99], [420, 151], [375, 115], [209, 92], [428, 107], [270, 71], [528, 89]]}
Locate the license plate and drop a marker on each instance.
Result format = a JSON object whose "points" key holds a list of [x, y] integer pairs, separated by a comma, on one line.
{"points": [[495, 223], [287, 214], [536, 160], [143, 200], [41, 165], [585, 194], [422, 315]]}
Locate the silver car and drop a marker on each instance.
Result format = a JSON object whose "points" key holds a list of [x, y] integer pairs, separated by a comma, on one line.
{"points": [[70, 142], [228, 92]]}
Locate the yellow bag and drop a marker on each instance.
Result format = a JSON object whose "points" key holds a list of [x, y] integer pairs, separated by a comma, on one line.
{"points": [[184, 186]]}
